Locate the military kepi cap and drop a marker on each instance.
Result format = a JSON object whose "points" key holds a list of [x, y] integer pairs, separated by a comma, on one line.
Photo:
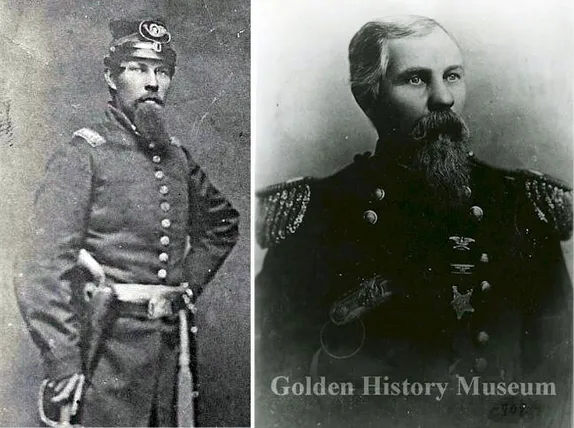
{"points": [[145, 39]]}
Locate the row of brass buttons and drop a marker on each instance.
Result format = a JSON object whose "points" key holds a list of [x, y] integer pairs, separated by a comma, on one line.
{"points": [[165, 207]]}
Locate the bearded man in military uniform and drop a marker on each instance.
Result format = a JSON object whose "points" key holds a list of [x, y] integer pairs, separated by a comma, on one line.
{"points": [[129, 232], [419, 262]]}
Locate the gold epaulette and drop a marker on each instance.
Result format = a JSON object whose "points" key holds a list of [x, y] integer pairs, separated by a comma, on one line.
{"points": [[551, 201], [281, 208]]}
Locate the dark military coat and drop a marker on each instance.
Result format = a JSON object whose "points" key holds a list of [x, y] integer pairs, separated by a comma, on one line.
{"points": [[148, 216], [477, 291]]}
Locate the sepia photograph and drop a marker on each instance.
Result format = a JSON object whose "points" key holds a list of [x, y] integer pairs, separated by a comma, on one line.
{"points": [[125, 221], [413, 184]]}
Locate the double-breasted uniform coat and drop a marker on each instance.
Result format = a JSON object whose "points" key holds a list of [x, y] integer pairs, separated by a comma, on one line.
{"points": [[365, 275]]}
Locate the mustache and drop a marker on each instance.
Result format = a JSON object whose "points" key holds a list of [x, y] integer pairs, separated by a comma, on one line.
{"points": [[439, 125], [157, 100]]}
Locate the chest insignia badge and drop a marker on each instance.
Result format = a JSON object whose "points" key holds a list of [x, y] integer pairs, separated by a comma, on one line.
{"points": [[461, 302], [461, 243]]}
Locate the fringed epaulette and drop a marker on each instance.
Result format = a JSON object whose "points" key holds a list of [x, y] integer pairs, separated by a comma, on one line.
{"points": [[282, 208], [90, 136], [550, 199]]}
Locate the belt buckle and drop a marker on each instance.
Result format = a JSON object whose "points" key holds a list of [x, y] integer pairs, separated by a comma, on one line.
{"points": [[159, 307]]}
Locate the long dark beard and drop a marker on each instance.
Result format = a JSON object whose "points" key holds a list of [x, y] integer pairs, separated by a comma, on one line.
{"points": [[150, 123], [440, 155]]}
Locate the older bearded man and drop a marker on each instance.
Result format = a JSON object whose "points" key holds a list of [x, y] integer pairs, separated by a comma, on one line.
{"points": [[419, 262]]}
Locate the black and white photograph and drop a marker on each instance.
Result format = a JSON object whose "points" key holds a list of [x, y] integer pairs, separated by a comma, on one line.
{"points": [[125, 221], [413, 182]]}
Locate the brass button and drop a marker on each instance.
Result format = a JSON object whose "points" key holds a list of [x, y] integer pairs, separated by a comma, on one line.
{"points": [[156, 159], [162, 273], [164, 240], [476, 212], [482, 337], [159, 175], [164, 190], [163, 257], [165, 206], [166, 223], [151, 145], [484, 258], [485, 286], [370, 216], [379, 194]]}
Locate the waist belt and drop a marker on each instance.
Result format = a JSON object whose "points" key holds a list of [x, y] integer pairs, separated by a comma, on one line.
{"points": [[152, 301]]}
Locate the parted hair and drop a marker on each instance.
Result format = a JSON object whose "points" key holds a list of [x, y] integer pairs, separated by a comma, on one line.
{"points": [[369, 54]]}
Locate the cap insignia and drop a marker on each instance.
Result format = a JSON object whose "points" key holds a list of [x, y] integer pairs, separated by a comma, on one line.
{"points": [[154, 32]]}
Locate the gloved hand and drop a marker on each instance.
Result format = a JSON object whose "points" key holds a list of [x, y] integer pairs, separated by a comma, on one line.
{"points": [[59, 400], [70, 387]]}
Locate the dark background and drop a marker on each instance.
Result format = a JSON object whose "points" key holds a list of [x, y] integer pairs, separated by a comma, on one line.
{"points": [[51, 83]]}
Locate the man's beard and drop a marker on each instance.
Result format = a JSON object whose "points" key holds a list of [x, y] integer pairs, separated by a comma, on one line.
{"points": [[150, 123], [440, 154]]}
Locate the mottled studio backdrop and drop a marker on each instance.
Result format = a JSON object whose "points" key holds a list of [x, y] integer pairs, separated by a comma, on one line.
{"points": [[51, 83], [519, 61]]}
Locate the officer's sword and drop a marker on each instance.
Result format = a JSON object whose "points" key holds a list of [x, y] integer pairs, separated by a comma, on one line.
{"points": [[186, 393]]}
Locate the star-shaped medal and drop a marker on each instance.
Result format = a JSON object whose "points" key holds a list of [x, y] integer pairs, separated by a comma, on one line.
{"points": [[461, 302]]}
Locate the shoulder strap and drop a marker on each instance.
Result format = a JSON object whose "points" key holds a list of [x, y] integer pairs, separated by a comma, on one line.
{"points": [[90, 136]]}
